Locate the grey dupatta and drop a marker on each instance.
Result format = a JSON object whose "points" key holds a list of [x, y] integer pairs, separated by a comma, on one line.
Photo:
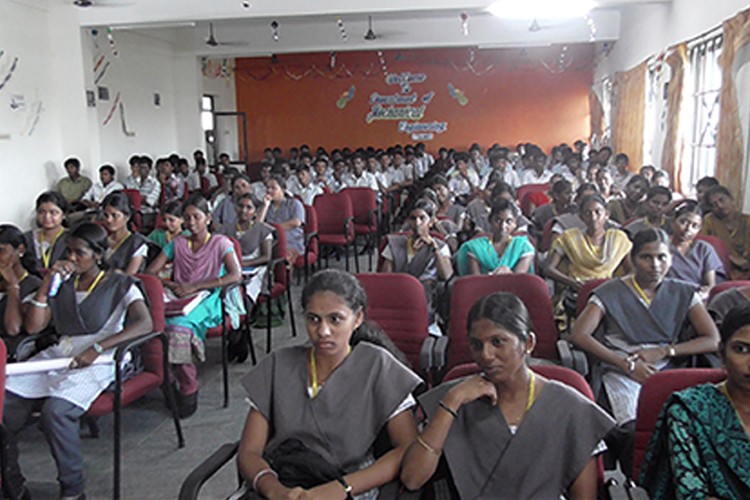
{"points": [[56, 253], [342, 422], [251, 239], [661, 323], [550, 448], [89, 316], [120, 258], [422, 260]]}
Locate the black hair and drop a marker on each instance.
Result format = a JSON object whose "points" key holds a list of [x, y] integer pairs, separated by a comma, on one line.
{"points": [[464, 157], [72, 161], [503, 205], [505, 310], [636, 178], [586, 186], [107, 168], [646, 236], [134, 160], [647, 167], [119, 201], [426, 205], [55, 198], [147, 160], [622, 156], [198, 201], [737, 318], [247, 196], [439, 180], [243, 177], [501, 188], [718, 190], [174, 207], [687, 207], [430, 195], [338, 282], [561, 186], [279, 180], [593, 198], [11, 235], [655, 191], [707, 181], [94, 235]]}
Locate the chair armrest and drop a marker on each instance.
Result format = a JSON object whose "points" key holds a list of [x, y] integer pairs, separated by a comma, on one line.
{"points": [[440, 353], [121, 349], [27, 344], [425, 354], [571, 357], [349, 227], [206, 469]]}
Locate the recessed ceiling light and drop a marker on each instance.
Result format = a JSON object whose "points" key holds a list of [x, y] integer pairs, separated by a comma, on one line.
{"points": [[541, 9]]}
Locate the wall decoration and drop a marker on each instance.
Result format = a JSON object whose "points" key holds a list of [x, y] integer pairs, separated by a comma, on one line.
{"points": [[7, 72], [33, 115], [275, 31], [90, 99], [346, 96], [342, 29], [157, 99], [458, 95], [103, 93], [125, 130], [112, 110], [101, 73], [17, 102], [216, 68]]}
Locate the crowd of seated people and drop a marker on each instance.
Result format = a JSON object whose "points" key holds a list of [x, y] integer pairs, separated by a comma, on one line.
{"points": [[582, 215]]}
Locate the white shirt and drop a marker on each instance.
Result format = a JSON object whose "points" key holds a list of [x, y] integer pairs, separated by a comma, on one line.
{"points": [[309, 193], [460, 185], [365, 180], [529, 176], [97, 192]]}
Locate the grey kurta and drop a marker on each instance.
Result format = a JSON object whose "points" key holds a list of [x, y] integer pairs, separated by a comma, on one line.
{"points": [[550, 448], [343, 420]]}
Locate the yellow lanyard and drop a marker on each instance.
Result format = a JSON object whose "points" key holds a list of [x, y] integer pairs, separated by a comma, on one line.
{"points": [[122, 240], [46, 256], [532, 390], [314, 372], [93, 285], [208, 237], [640, 291], [410, 247]]}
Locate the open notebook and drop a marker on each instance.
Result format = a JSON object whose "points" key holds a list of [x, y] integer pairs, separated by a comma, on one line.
{"points": [[181, 306]]}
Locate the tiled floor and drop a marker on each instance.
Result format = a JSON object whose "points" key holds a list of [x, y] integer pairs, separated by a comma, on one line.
{"points": [[152, 465]]}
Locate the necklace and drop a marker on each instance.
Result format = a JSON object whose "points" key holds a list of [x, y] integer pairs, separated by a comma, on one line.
{"points": [[317, 385], [640, 291], [205, 240], [93, 285]]}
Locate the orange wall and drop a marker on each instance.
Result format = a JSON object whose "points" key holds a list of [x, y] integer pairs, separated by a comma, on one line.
{"points": [[512, 98]]}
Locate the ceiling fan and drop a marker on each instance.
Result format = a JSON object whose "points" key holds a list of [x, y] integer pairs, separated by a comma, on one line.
{"points": [[370, 35], [85, 4], [211, 41]]}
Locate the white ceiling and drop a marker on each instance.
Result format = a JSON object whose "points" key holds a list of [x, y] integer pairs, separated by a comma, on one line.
{"points": [[311, 26]]}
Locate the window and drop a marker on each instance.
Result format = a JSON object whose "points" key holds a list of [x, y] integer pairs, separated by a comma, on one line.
{"points": [[654, 126], [703, 87], [207, 113]]}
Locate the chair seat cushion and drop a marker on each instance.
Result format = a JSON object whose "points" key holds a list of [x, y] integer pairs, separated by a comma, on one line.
{"points": [[132, 390], [364, 229], [333, 239]]}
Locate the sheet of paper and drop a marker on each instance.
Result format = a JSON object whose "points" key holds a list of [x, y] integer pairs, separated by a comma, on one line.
{"points": [[46, 365]]}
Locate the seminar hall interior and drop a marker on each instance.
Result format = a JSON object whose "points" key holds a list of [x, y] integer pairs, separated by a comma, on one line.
{"points": [[538, 205]]}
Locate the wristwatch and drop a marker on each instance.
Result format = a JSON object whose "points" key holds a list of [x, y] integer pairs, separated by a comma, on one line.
{"points": [[347, 487], [97, 347]]}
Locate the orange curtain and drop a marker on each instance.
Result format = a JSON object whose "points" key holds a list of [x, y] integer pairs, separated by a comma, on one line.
{"points": [[672, 153], [597, 117], [730, 143], [629, 114]]}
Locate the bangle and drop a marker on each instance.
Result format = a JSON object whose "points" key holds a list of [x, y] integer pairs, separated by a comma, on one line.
{"points": [[631, 360], [97, 347], [421, 442], [40, 305], [347, 487], [447, 408], [671, 352], [260, 474]]}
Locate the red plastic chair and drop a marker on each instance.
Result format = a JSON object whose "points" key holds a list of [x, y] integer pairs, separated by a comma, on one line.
{"points": [[153, 349], [721, 249], [397, 304], [654, 393], [533, 292], [279, 282], [3, 460], [312, 243], [722, 287], [225, 327], [552, 372], [523, 196], [136, 201], [336, 223], [546, 240], [365, 205], [205, 188]]}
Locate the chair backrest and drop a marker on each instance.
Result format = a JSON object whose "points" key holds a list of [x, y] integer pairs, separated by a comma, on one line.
{"points": [[397, 304], [136, 199], [237, 249], [654, 393], [311, 226], [721, 250], [152, 351], [205, 187], [723, 287], [533, 292], [546, 240], [334, 210], [279, 252], [523, 193], [585, 292], [364, 204]]}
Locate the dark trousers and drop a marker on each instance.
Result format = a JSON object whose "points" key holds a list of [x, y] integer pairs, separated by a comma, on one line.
{"points": [[60, 423]]}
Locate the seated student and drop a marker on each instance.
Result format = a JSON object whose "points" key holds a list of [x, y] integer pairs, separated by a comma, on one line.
{"points": [[447, 208], [732, 227], [620, 173], [100, 190], [647, 172], [702, 187], [150, 190], [694, 261], [537, 172], [94, 312], [256, 242], [478, 209], [562, 195], [341, 175], [171, 214], [279, 208], [133, 180], [307, 189], [577, 256], [323, 173], [700, 447], [505, 192], [657, 202], [375, 168], [723, 302], [16, 284], [626, 209], [501, 432], [183, 171], [201, 261], [572, 219], [353, 391], [126, 251], [641, 318], [464, 181], [606, 185], [48, 241], [225, 211], [75, 185], [404, 169], [172, 187], [503, 252], [501, 170], [359, 176], [258, 188]]}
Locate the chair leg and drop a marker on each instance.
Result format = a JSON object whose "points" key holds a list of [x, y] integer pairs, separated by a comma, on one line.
{"points": [[268, 325], [225, 361], [370, 245], [356, 256], [168, 390], [291, 311], [249, 340], [118, 431], [346, 256]]}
